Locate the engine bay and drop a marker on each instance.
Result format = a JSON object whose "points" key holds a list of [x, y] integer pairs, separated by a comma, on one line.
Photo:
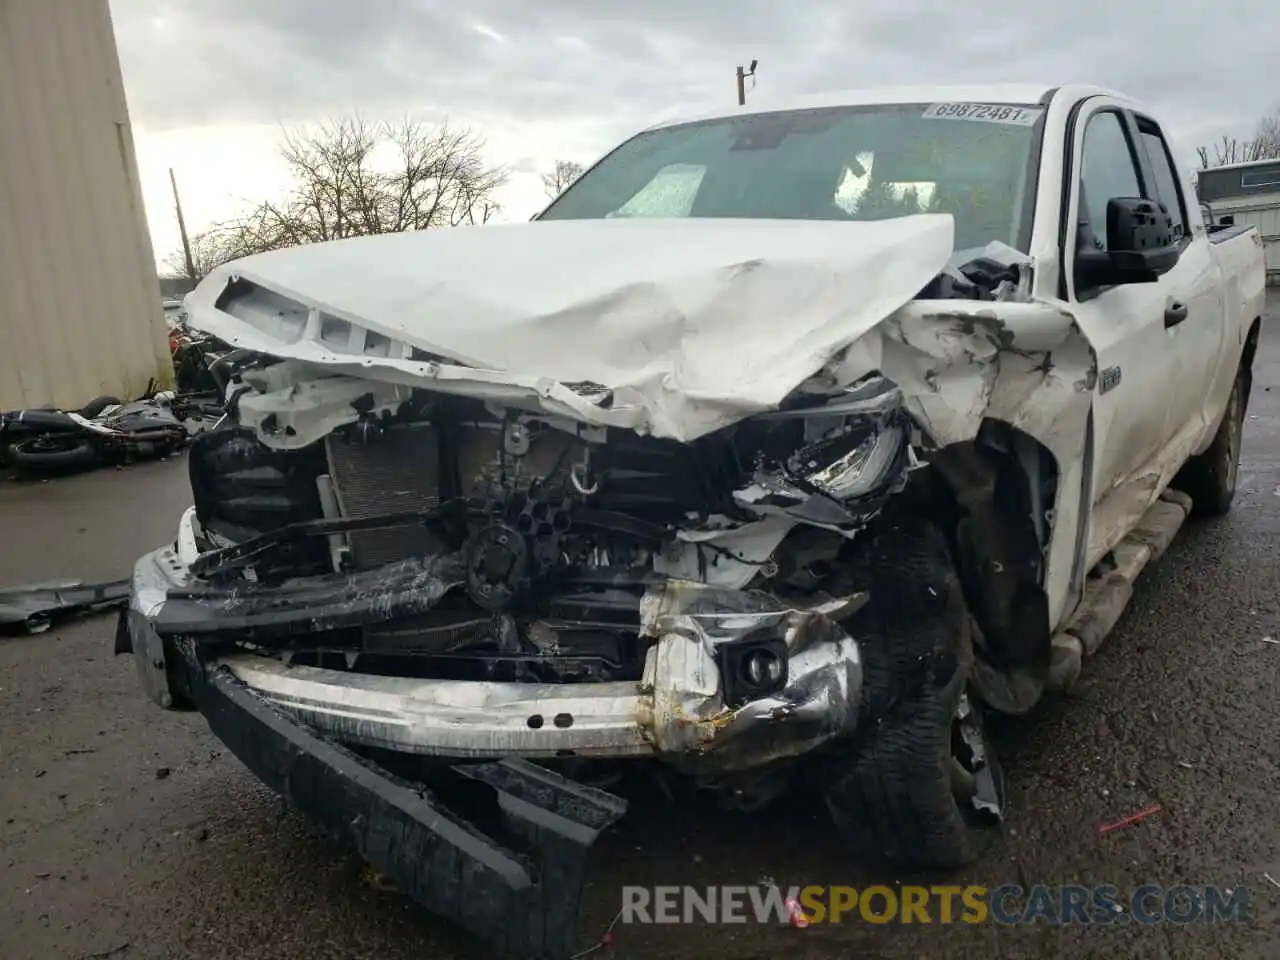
{"points": [[549, 532]]}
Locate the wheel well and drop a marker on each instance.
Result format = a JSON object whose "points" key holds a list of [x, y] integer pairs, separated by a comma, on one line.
{"points": [[1246, 358], [1251, 344], [993, 498]]}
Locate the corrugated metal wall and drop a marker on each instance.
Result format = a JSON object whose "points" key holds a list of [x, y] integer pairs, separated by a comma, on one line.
{"points": [[79, 300]]}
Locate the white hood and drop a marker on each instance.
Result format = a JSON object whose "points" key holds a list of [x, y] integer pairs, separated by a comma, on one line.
{"points": [[693, 324]]}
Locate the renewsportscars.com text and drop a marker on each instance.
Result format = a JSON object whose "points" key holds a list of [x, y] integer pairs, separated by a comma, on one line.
{"points": [[1007, 904]]}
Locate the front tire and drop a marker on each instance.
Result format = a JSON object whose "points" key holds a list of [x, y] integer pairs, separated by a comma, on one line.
{"points": [[53, 452], [1210, 478], [918, 786]]}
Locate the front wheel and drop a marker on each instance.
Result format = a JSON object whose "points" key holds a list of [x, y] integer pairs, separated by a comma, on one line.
{"points": [[918, 786], [53, 452], [1210, 478]]}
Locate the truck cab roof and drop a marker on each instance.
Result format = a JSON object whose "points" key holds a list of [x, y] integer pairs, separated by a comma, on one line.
{"points": [[1020, 93]]}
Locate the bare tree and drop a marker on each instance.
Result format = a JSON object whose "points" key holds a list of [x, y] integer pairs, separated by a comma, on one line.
{"points": [[1264, 145], [559, 179], [352, 178], [1267, 137]]}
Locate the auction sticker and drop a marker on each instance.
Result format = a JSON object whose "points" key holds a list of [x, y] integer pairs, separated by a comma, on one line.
{"points": [[984, 113]]}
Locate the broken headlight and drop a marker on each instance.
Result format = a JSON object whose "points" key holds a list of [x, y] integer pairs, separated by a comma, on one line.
{"points": [[852, 463], [854, 451]]}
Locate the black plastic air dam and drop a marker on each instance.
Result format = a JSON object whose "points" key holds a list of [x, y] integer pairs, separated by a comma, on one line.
{"points": [[523, 904]]}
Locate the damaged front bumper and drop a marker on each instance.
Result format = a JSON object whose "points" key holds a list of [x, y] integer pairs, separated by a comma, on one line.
{"points": [[488, 839], [510, 870], [733, 679]]}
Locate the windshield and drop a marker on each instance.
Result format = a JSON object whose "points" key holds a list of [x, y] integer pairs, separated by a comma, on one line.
{"points": [[842, 163]]}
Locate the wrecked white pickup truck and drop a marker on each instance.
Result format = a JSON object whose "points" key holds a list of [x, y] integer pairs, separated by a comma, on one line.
{"points": [[787, 441]]}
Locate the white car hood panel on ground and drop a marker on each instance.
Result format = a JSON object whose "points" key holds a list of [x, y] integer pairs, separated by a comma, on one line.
{"points": [[694, 324]]}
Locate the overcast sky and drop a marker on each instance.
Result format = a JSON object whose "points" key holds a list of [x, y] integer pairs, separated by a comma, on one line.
{"points": [[210, 81]]}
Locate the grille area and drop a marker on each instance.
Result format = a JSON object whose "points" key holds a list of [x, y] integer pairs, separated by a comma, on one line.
{"points": [[395, 473]]}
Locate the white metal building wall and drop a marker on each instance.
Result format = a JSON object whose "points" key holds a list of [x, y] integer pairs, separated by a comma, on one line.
{"points": [[79, 301], [1263, 212]]}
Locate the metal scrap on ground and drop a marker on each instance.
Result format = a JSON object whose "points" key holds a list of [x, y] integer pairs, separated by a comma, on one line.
{"points": [[32, 608]]}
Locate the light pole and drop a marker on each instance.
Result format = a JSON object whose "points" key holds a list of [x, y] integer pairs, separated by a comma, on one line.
{"points": [[182, 229], [742, 81]]}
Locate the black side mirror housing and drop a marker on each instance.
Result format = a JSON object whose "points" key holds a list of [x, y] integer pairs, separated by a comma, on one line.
{"points": [[1140, 239], [1141, 246]]}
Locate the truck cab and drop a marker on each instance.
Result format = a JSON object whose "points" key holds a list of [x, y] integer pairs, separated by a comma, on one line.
{"points": [[1189, 324]]}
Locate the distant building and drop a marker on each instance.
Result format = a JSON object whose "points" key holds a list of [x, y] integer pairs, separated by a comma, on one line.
{"points": [[1247, 193], [80, 311]]}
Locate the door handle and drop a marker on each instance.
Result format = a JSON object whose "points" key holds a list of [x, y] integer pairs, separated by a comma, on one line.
{"points": [[1174, 314]]}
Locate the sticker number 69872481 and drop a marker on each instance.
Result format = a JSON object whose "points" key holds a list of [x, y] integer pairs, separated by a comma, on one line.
{"points": [[984, 113]]}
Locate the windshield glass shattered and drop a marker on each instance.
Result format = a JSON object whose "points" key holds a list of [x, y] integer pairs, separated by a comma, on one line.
{"points": [[840, 163]]}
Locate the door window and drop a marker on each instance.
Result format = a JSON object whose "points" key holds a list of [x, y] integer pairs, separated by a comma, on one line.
{"points": [[1107, 171], [1168, 190]]}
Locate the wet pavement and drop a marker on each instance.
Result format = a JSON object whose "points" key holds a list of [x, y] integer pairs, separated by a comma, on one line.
{"points": [[128, 832]]}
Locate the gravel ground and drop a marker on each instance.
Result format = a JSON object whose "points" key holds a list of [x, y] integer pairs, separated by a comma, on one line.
{"points": [[128, 832]]}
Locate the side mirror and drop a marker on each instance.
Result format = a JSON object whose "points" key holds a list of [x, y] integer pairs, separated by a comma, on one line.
{"points": [[1141, 243], [1141, 246]]}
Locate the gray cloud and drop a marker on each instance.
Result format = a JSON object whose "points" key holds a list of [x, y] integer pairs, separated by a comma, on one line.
{"points": [[1209, 66]]}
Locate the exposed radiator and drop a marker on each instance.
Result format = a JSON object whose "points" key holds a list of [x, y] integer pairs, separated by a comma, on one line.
{"points": [[395, 473]]}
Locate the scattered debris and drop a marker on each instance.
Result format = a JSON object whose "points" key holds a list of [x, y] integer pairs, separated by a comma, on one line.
{"points": [[162, 773], [1185, 765], [378, 881], [113, 952], [1270, 640], [32, 608], [1135, 818], [39, 774], [795, 914], [606, 939], [1271, 880]]}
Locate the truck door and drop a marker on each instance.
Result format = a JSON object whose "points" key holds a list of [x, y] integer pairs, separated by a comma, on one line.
{"points": [[1196, 280], [1133, 327]]}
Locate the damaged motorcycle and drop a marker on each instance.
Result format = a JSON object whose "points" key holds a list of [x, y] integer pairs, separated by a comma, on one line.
{"points": [[102, 433]]}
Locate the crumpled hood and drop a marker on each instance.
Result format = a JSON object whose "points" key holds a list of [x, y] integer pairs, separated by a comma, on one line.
{"points": [[693, 324]]}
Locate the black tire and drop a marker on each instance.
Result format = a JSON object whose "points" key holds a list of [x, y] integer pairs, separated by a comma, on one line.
{"points": [[891, 792], [95, 407], [53, 453], [1210, 478]]}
